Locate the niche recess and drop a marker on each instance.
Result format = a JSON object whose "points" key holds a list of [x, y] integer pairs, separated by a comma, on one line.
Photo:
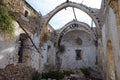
{"points": [[22, 40]]}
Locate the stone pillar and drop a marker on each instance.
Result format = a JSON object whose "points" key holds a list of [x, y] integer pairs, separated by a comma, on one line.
{"points": [[115, 5]]}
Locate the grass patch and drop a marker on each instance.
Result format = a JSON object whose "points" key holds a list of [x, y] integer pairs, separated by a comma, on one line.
{"points": [[85, 71], [36, 76], [68, 73], [53, 75]]}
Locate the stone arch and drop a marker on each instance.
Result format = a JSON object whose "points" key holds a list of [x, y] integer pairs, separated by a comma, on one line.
{"points": [[86, 26], [91, 12], [111, 68], [79, 25]]}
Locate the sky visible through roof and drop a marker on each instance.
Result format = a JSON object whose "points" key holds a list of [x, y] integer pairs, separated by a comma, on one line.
{"points": [[66, 15]]}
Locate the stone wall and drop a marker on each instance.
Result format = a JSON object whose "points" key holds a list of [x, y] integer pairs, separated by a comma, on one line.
{"points": [[21, 6], [48, 61], [16, 72], [29, 18], [72, 43]]}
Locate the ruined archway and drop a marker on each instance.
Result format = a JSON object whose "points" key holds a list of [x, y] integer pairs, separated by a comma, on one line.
{"points": [[93, 13], [111, 68], [75, 39], [72, 25]]}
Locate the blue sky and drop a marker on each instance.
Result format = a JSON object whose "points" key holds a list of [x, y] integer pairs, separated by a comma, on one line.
{"points": [[64, 16]]}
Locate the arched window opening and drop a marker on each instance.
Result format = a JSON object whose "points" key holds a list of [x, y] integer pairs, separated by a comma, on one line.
{"points": [[26, 13], [78, 54]]}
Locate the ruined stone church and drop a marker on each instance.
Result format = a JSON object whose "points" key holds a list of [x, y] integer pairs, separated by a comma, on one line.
{"points": [[37, 45]]}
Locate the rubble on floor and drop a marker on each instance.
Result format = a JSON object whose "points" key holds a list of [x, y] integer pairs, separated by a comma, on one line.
{"points": [[16, 72]]}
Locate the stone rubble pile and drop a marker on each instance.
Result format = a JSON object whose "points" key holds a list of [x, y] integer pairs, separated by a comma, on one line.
{"points": [[16, 72]]}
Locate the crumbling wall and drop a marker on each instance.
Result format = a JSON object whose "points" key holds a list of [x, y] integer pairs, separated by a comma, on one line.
{"points": [[9, 48], [82, 42], [24, 16], [16, 72], [20, 6]]}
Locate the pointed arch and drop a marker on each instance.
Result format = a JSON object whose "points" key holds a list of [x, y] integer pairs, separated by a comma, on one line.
{"points": [[91, 12]]}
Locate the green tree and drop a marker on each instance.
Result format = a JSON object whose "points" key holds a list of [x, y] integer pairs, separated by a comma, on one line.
{"points": [[6, 25]]}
